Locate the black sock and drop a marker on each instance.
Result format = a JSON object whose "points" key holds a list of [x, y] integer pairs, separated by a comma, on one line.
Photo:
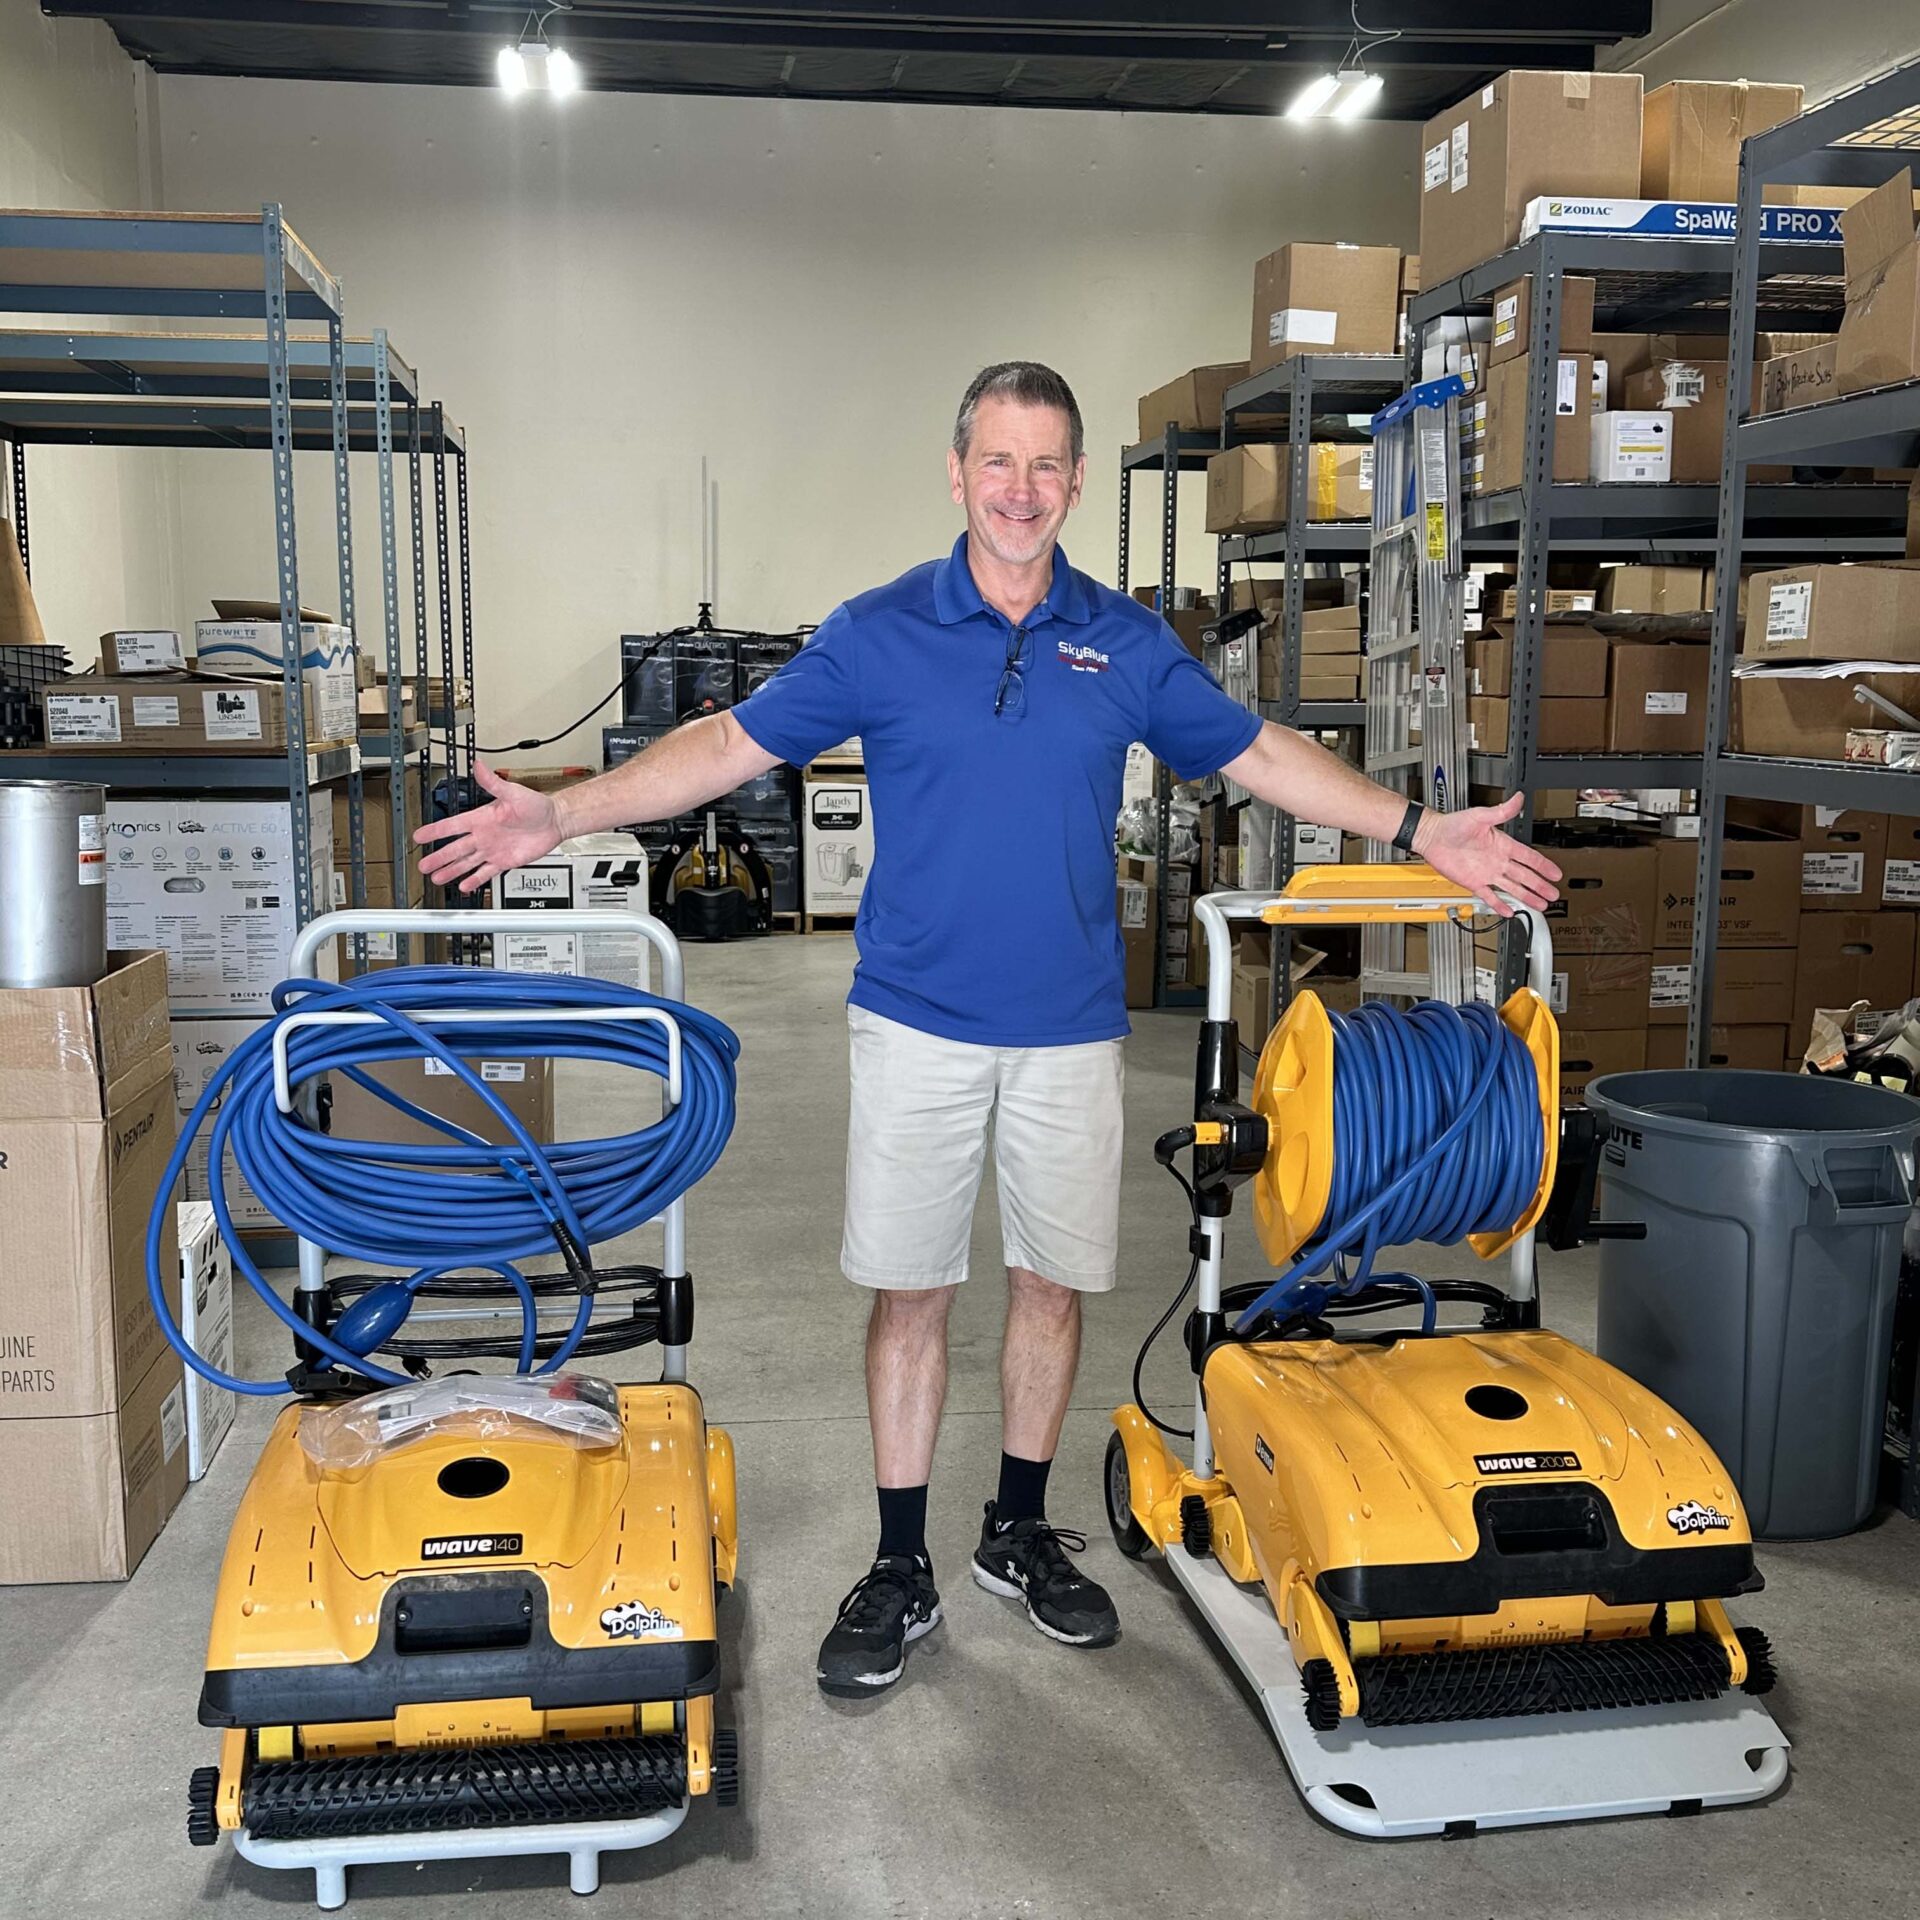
{"points": [[1023, 1489], [903, 1520]]}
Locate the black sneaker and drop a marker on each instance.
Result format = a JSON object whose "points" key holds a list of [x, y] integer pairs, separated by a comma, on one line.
{"points": [[891, 1606], [1028, 1561]]}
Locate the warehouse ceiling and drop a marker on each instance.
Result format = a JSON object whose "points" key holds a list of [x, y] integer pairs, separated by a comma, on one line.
{"points": [[1210, 56]]}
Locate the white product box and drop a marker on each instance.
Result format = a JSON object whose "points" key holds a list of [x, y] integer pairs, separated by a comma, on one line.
{"points": [[252, 648], [1632, 447], [206, 1319], [200, 1049], [1315, 846], [594, 870], [210, 881], [836, 843]]}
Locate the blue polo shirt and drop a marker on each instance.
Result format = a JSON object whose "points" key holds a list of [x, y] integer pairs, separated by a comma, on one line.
{"points": [[989, 913]]}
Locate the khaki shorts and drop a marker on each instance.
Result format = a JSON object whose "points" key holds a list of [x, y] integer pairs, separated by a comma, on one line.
{"points": [[917, 1139]]}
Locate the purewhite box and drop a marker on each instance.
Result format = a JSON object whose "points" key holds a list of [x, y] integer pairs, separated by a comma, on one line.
{"points": [[252, 648], [836, 844], [593, 870], [206, 1320], [1631, 447], [200, 1049], [210, 881]]}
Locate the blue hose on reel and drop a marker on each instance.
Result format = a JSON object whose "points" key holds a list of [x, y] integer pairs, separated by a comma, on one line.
{"points": [[1437, 1135], [463, 1203]]}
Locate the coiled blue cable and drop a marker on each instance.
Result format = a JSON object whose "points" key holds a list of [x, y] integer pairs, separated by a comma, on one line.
{"points": [[440, 1208], [1437, 1134]]}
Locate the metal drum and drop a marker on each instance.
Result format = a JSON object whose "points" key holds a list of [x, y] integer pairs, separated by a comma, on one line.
{"points": [[53, 883]]}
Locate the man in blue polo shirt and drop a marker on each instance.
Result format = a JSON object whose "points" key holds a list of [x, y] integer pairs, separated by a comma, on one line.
{"points": [[995, 693]]}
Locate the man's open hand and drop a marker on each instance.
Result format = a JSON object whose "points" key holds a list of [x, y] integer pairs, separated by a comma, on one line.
{"points": [[516, 826], [1470, 849]]}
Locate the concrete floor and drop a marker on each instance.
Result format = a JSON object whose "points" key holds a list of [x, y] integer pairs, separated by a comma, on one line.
{"points": [[1006, 1775]]}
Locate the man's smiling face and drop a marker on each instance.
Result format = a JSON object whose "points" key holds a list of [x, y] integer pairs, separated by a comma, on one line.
{"points": [[1019, 479]]}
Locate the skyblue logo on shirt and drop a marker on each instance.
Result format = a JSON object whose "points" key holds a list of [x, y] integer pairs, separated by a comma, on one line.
{"points": [[1081, 657]]}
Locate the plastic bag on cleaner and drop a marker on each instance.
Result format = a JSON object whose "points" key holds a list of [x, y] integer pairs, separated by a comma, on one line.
{"points": [[575, 1408]]}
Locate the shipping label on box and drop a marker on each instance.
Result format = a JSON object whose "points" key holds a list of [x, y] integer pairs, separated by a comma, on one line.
{"points": [[1631, 448], [141, 650]]}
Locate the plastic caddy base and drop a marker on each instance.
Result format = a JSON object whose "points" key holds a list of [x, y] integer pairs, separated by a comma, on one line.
{"points": [[583, 1842], [1386, 1783]]}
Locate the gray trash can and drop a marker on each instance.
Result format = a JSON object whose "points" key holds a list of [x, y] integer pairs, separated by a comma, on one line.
{"points": [[1760, 1304]]}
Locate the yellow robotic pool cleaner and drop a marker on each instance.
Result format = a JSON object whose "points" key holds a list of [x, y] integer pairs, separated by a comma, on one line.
{"points": [[1477, 1577], [471, 1614]]}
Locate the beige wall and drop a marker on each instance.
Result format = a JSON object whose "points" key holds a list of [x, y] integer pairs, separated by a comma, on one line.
{"points": [[75, 132], [798, 291], [1827, 47]]}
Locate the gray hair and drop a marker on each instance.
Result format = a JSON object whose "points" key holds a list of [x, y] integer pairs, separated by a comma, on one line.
{"points": [[1028, 383]]}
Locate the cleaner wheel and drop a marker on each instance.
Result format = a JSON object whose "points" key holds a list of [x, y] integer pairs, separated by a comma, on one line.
{"points": [[1322, 1687], [726, 1767], [1761, 1673], [1196, 1526], [203, 1829], [1128, 1534]]}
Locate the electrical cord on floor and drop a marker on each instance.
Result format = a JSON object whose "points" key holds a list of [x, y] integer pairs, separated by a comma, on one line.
{"points": [[460, 1202]]}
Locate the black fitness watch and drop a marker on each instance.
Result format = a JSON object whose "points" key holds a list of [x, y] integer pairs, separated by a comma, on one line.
{"points": [[1409, 826]]}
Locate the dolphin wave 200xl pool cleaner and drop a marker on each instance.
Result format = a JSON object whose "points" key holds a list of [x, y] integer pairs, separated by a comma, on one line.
{"points": [[1476, 1576], [474, 1614]]}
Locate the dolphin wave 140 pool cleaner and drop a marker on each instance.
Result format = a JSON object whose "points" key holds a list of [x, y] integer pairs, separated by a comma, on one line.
{"points": [[465, 1613], [1476, 1576]]}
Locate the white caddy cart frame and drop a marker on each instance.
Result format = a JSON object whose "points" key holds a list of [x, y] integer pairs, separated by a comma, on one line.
{"points": [[582, 1842], [1397, 1782]]}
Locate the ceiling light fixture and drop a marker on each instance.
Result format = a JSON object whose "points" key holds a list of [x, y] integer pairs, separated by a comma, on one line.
{"points": [[533, 66], [1349, 90]]}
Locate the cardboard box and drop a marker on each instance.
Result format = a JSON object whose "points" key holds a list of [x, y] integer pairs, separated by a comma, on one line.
{"points": [[1845, 957], [1573, 663], [523, 1086], [1759, 892], [1192, 402], [206, 1323], [87, 1496], [1526, 134], [1313, 298], [1513, 318], [1594, 992], [377, 886], [1804, 712], [1752, 986], [597, 870], [1134, 908], [1791, 380], [1691, 134], [1607, 899], [1247, 486], [130, 651], [211, 882], [200, 1049], [1252, 989], [1900, 876], [1657, 700], [376, 817], [1880, 329], [1866, 611], [1586, 1054], [1559, 603], [1694, 393], [1631, 448], [836, 843], [1747, 1049], [1330, 629], [251, 650], [1659, 590], [86, 1127], [181, 713], [1497, 425], [1560, 726], [1843, 860]]}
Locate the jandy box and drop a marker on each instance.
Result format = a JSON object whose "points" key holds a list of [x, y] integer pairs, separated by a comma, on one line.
{"points": [[1586, 1054], [1845, 957], [1497, 425], [1843, 860], [1523, 135], [1863, 611], [836, 843], [1745, 1049], [1752, 986], [1607, 899], [1880, 329], [1691, 134], [1513, 318], [1798, 379], [1193, 402], [1804, 711], [1657, 697], [1759, 892], [597, 870], [1560, 726], [1573, 662], [1314, 298], [1637, 588], [1247, 486], [1695, 393]]}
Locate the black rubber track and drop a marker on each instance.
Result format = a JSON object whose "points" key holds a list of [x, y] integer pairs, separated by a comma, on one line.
{"points": [[1570, 1676], [438, 1790]]}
